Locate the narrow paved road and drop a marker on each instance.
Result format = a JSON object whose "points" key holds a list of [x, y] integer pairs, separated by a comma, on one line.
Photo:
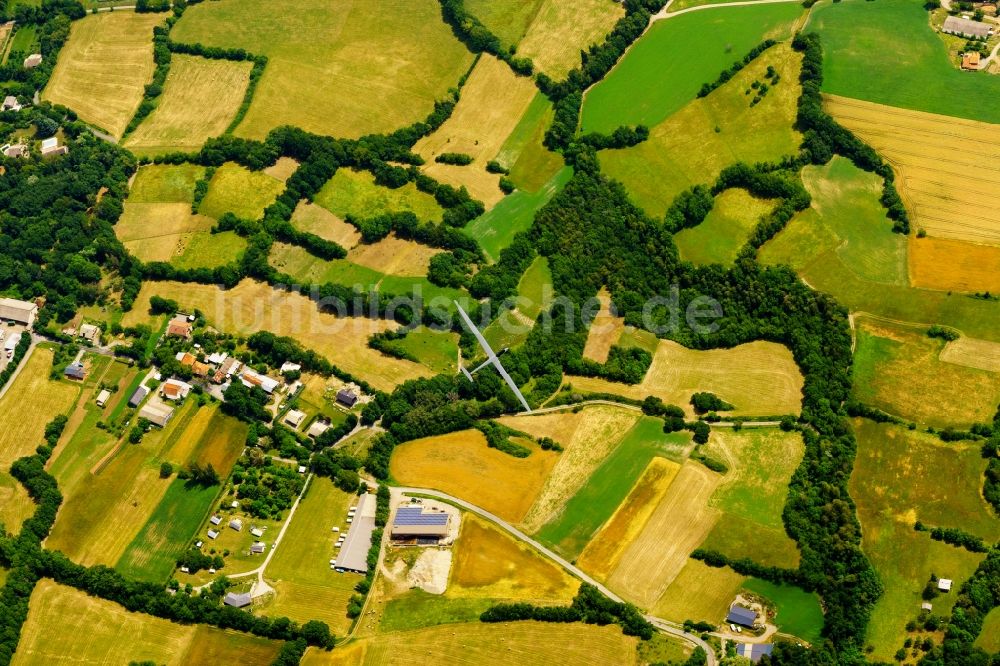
{"points": [[665, 13], [661, 624]]}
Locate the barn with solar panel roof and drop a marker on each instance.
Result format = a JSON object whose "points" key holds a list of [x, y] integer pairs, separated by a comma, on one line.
{"points": [[420, 524]]}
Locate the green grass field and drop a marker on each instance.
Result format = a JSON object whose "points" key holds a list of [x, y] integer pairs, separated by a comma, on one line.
{"points": [[696, 142], [531, 164], [438, 350], [897, 369], [165, 183], [844, 246], [153, 554], [609, 485], [25, 40], [496, 229], [718, 239], [355, 193], [920, 76], [417, 609], [989, 637], [901, 476], [351, 68], [658, 76], [206, 250], [534, 291], [798, 612], [236, 189]]}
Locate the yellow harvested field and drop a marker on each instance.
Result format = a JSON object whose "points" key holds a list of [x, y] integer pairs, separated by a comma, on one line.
{"points": [[254, 306], [503, 644], [602, 554], [604, 332], [394, 256], [159, 231], [972, 353], [492, 102], [699, 592], [351, 654], [282, 169], [461, 464], [562, 29], [104, 66], [95, 631], [759, 378], [948, 168], [200, 98], [678, 525], [490, 564], [953, 265], [318, 220], [587, 436]]}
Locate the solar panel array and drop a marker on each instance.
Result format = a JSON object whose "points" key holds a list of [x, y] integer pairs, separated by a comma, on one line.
{"points": [[416, 516]]}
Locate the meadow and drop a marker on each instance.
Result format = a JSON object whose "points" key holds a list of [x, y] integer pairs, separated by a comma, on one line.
{"points": [[901, 476], [200, 98], [897, 368], [602, 553], [236, 189], [699, 592], [354, 193], [921, 78], [759, 378], [989, 637], [165, 183], [20, 436], [161, 231], [534, 294], [708, 134], [678, 524], [752, 495], [461, 464], [94, 631], [317, 220], [492, 102], [606, 488], [531, 164], [103, 67], [254, 306], [381, 64], [305, 586], [495, 229], [718, 239], [952, 265], [658, 76], [798, 612], [560, 30], [507, 19], [207, 250], [933, 156], [489, 564], [438, 350], [604, 331], [588, 438]]}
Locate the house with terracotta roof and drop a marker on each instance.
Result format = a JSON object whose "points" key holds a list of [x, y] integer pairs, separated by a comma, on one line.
{"points": [[179, 327], [174, 389], [970, 60]]}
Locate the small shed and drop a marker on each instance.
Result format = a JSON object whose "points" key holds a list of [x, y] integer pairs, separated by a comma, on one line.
{"points": [[317, 428], [137, 396], [213, 534], [256, 531], [926, 606], [10, 103], [257, 548], [237, 600], [102, 397], [944, 584], [346, 397], [215, 520], [236, 524], [302, 469], [75, 371], [294, 418]]}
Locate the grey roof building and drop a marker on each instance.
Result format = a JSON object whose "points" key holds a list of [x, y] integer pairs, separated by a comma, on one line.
{"points": [[75, 371], [953, 25], [346, 398], [742, 616], [353, 555], [137, 396], [754, 651], [415, 521], [237, 600]]}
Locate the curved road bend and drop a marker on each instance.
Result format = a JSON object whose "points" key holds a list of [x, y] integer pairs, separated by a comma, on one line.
{"points": [[661, 624]]}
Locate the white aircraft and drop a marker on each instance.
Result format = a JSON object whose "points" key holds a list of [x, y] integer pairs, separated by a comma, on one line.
{"points": [[491, 359]]}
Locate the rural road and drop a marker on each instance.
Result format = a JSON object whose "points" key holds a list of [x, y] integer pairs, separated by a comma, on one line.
{"points": [[661, 624], [665, 13]]}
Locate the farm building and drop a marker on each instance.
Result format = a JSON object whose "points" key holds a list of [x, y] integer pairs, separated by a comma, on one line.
{"points": [[236, 524], [953, 25], [90, 332], [50, 147], [217, 358], [137, 396], [754, 651], [10, 103], [179, 327], [346, 398], [741, 615], [215, 520], [353, 555], [213, 534], [228, 367], [75, 371], [156, 412], [14, 150], [944, 584], [32, 61], [294, 418], [237, 600], [11, 343], [257, 548], [970, 60], [257, 532], [102, 397], [22, 312], [415, 522], [317, 428], [174, 389], [251, 379]]}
